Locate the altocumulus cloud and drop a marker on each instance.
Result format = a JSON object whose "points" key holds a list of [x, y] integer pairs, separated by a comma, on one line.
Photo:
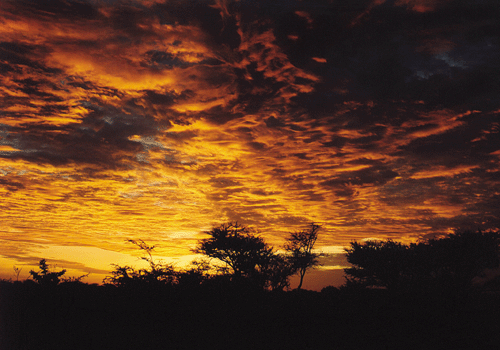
{"points": [[142, 119]]}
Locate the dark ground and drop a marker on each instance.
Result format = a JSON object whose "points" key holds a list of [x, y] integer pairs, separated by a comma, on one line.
{"points": [[81, 316]]}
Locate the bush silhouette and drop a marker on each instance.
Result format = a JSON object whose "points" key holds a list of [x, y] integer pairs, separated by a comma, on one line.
{"points": [[44, 277], [157, 273]]}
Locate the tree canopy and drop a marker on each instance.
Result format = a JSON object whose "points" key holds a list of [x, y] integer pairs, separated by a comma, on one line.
{"points": [[245, 255], [449, 263]]}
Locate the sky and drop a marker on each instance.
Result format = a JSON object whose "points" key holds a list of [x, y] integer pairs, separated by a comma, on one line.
{"points": [[158, 120]]}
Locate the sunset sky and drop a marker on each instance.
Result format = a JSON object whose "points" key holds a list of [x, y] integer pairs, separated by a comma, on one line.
{"points": [[158, 120]]}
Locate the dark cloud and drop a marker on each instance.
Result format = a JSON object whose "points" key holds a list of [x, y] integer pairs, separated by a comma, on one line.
{"points": [[17, 55], [259, 146], [101, 138], [57, 9], [11, 185], [36, 88], [374, 175], [163, 60], [220, 29], [166, 99], [262, 192], [302, 155], [221, 182], [345, 191], [337, 142], [220, 115], [273, 122], [14, 53], [469, 144], [409, 191], [128, 19], [377, 58]]}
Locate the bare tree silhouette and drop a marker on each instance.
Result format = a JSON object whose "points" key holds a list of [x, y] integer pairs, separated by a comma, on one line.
{"points": [[299, 246], [17, 271]]}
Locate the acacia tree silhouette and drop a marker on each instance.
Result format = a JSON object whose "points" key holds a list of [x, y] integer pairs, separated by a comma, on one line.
{"points": [[246, 257], [299, 246]]}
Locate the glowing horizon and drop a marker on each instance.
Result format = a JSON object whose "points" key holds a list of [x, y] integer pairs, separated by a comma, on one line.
{"points": [[158, 120]]}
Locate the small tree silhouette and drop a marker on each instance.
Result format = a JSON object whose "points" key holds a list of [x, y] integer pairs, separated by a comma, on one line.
{"points": [[17, 271], [44, 276], [299, 246]]}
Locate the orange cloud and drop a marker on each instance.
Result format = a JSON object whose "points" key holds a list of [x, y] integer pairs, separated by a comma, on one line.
{"points": [[319, 59], [306, 16], [147, 123], [421, 6]]}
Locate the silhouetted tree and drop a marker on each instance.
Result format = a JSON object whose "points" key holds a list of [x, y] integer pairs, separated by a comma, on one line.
{"points": [[378, 263], [460, 257], [17, 271], [246, 257], [278, 272], [299, 246], [450, 263], [195, 275], [44, 276]]}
